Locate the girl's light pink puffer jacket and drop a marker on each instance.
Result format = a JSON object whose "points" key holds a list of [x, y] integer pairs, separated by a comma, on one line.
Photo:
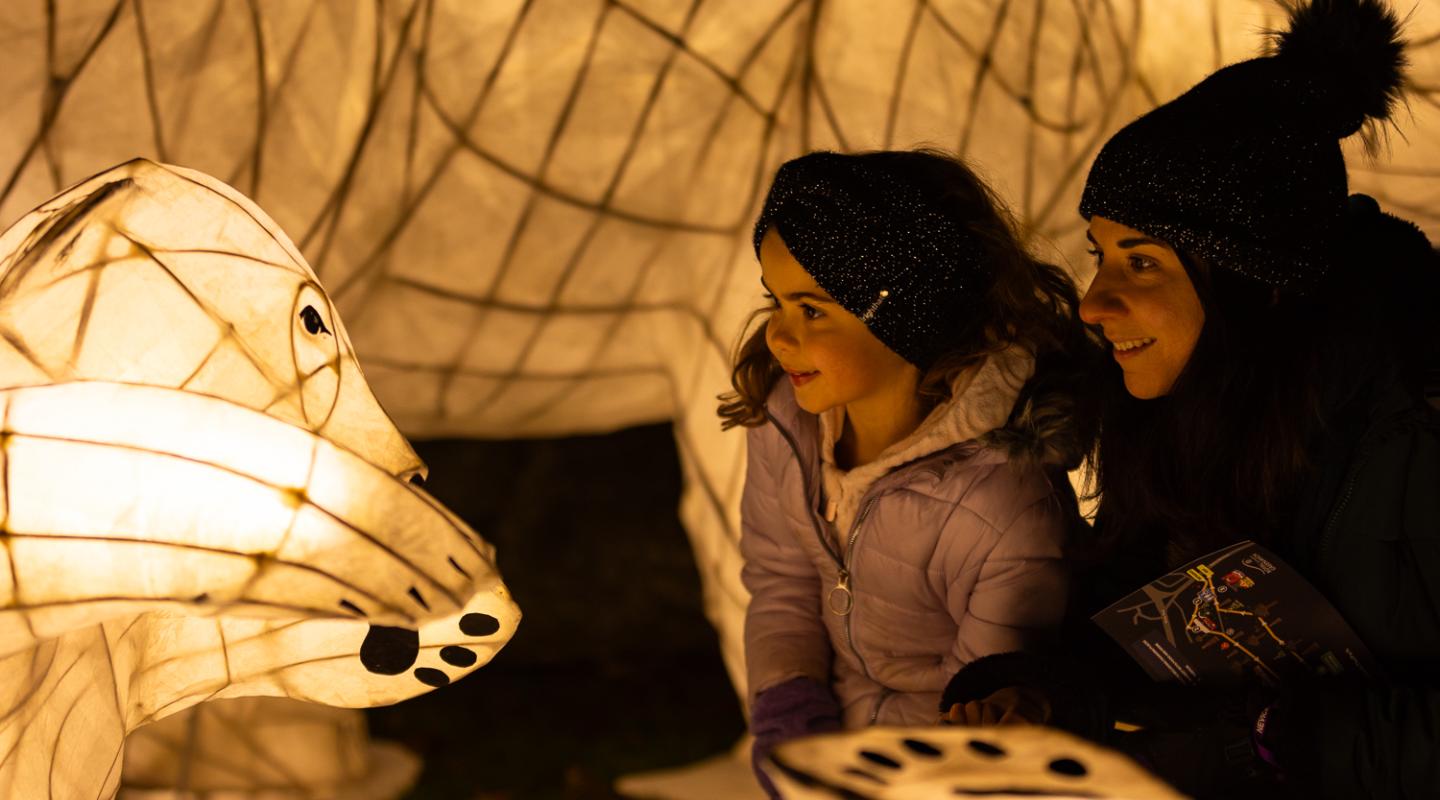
{"points": [[951, 557]]}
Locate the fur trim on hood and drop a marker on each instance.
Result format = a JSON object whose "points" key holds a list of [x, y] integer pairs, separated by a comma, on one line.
{"points": [[1047, 423], [1004, 405]]}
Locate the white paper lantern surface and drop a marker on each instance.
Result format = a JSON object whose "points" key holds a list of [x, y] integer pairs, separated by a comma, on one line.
{"points": [[1006, 763]]}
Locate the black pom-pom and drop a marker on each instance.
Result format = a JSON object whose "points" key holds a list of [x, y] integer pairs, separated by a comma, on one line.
{"points": [[1351, 52]]}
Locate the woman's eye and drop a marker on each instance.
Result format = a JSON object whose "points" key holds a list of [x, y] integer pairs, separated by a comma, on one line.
{"points": [[770, 298], [313, 323], [809, 311], [1141, 264], [1095, 254]]}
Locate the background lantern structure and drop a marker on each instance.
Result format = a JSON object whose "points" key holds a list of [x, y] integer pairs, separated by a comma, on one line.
{"points": [[201, 497], [264, 747]]}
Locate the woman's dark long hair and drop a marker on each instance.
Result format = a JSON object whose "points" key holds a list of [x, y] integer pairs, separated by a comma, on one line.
{"points": [[1028, 303], [1223, 456]]}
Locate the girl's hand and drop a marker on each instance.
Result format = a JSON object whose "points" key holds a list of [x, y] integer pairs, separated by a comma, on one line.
{"points": [[1013, 705]]}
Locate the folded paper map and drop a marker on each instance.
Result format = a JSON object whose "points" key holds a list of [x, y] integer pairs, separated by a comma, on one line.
{"points": [[1236, 615]]}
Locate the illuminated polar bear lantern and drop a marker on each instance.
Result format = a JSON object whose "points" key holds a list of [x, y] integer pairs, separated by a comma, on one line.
{"points": [[199, 496]]}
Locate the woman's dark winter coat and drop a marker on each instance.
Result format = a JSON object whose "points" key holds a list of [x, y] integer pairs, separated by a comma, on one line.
{"points": [[1368, 538]]}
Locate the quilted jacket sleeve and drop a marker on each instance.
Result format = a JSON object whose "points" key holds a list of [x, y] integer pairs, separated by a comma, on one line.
{"points": [[1017, 601], [784, 635]]}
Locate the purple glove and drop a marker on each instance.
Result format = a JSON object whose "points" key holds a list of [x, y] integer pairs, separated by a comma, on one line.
{"points": [[797, 707]]}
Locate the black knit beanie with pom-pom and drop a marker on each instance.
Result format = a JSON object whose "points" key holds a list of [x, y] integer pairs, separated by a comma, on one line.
{"points": [[1244, 170]]}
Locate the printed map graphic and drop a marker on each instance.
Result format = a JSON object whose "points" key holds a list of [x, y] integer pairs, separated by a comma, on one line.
{"points": [[1236, 615]]}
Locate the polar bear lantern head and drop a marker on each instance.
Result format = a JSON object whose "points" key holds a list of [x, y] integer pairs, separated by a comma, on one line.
{"points": [[199, 495]]}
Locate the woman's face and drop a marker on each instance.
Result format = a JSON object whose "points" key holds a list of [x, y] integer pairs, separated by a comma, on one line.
{"points": [[828, 354], [1143, 300]]}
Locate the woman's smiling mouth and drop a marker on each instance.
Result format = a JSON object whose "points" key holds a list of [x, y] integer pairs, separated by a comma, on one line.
{"points": [[1129, 348]]}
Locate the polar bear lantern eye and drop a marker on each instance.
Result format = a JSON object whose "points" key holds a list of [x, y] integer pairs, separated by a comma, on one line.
{"points": [[313, 323], [315, 347]]}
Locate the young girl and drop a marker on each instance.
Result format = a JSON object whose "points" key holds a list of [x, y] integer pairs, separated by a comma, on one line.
{"points": [[1271, 342], [911, 404]]}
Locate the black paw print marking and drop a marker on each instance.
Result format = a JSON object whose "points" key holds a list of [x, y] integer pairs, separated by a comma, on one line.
{"points": [[875, 764], [432, 677], [457, 656], [984, 748], [1069, 766], [391, 651], [880, 768]]}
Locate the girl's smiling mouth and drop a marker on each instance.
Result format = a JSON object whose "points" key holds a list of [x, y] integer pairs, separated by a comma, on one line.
{"points": [[801, 378]]}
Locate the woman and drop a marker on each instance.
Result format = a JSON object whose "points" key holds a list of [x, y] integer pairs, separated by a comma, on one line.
{"points": [[1271, 355]]}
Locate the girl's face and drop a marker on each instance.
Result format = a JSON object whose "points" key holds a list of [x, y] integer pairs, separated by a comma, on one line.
{"points": [[831, 358], [1143, 300]]}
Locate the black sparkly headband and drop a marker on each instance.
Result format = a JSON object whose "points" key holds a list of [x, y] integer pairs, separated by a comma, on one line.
{"points": [[883, 248]]}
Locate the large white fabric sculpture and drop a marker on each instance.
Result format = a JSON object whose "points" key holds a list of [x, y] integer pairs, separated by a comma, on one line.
{"points": [[199, 496]]}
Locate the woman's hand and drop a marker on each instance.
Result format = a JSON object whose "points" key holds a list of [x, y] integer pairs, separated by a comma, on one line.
{"points": [[1013, 705]]}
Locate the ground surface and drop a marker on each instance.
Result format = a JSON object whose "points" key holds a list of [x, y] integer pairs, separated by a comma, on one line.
{"points": [[614, 668]]}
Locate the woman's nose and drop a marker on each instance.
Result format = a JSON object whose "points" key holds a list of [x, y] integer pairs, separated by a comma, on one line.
{"points": [[1100, 302]]}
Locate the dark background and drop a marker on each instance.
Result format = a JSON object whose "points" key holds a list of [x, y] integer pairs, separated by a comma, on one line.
{"points": [[614, 668]]}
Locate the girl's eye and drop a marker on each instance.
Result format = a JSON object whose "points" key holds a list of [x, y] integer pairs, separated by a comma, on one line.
{"points": [[809, 311]]}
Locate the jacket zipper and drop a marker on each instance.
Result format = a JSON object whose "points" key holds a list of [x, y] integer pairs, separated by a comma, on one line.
{"points": [[848, 598], [1333, 523], [844, 584], [885, 692]]}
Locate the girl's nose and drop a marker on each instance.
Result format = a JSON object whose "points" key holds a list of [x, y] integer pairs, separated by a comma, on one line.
{"points": [[778, 335]]}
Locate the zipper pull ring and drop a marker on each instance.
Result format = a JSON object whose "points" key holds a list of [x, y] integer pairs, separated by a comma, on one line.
{"points": [[841, 601]]}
